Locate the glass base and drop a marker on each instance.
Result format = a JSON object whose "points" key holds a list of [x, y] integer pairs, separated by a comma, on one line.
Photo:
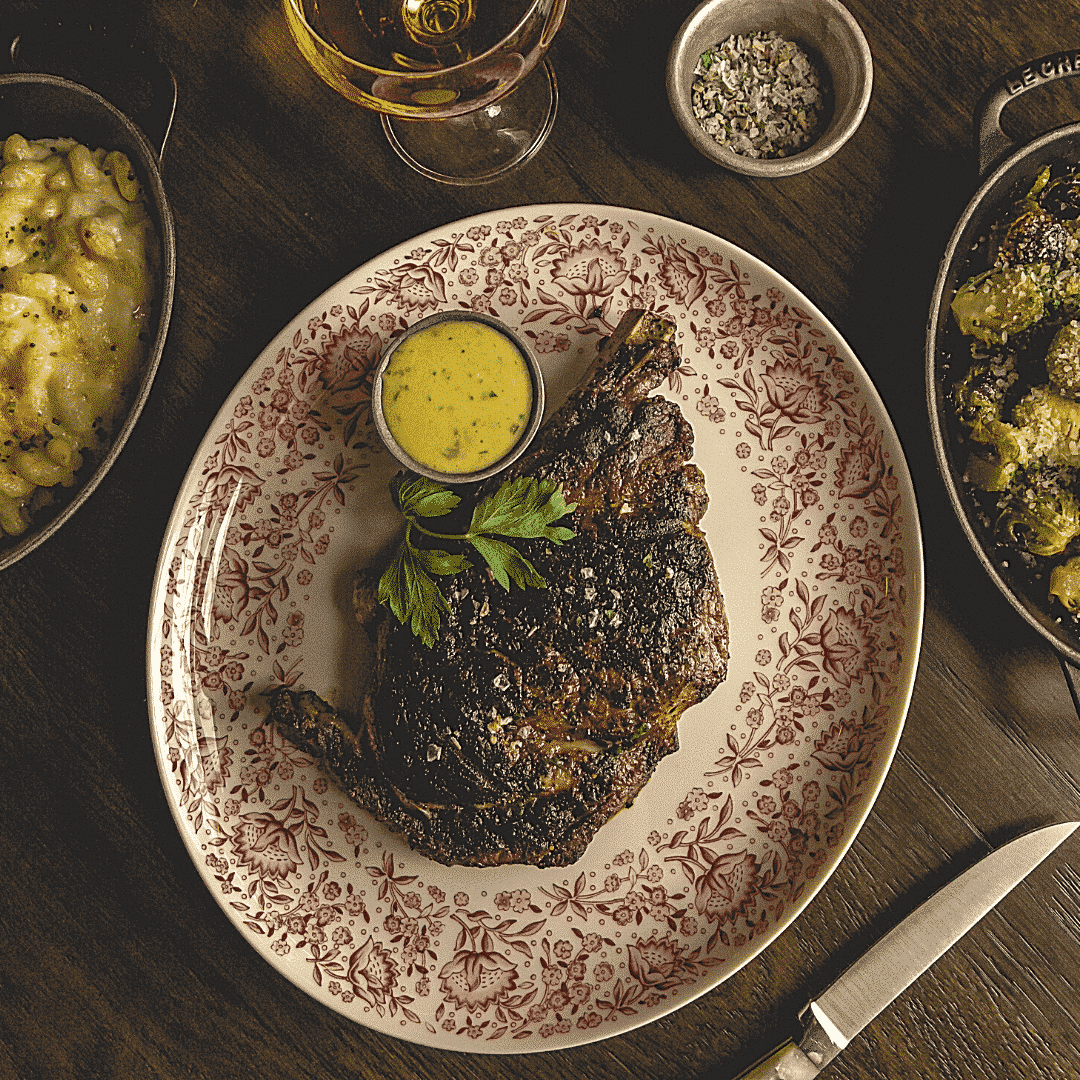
{"points": [[484, 145]]}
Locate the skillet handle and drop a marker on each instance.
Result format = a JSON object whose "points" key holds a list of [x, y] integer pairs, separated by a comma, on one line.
{"points": [[992, 145]]}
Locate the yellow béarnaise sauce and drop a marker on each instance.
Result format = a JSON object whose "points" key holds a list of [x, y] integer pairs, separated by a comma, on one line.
{"points": [[456, 396]]}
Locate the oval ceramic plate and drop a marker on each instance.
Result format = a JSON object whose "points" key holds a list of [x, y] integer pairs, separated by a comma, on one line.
{"points": [[814, 529]]}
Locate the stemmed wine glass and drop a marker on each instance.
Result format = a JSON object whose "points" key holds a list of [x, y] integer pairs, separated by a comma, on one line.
{"points": [[463, 86]]}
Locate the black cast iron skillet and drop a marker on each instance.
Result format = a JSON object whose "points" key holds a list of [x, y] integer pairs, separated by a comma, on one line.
{"points": [[39, 105], [1005, 171]]}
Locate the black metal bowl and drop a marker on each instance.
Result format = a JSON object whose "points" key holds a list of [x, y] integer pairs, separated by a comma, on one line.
{"points": [[40, 106]]}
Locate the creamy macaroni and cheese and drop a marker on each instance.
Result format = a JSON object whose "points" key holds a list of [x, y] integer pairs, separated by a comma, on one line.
{"points": [[75, 287]]}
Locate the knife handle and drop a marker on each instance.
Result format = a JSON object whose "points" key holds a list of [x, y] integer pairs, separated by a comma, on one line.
{"points": [[787, 1062], [818, 1044]]}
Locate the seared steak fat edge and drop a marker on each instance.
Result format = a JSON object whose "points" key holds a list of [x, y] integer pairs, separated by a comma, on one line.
{"points": [[540, 713]]}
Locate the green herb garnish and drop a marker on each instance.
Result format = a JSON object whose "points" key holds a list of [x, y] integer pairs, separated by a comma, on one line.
{"points": [[525, 508]]}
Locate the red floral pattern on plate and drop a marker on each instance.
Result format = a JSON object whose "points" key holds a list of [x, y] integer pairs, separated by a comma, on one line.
{"points": [[813, 526]]}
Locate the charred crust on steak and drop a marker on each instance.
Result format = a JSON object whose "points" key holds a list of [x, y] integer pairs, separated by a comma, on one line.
{"points": [[540, 713]]}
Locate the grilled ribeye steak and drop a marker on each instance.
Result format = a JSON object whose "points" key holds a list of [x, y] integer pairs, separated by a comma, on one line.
{"points": [[539, 713]]}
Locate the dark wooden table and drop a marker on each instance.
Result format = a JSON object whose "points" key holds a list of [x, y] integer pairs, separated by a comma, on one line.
{"points": [[115, 959]]}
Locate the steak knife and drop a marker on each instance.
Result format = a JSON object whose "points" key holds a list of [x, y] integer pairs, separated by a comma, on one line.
{"points": [[892, 964]]}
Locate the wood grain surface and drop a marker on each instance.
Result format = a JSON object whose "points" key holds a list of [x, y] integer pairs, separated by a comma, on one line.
{"points": [[116, 961]]}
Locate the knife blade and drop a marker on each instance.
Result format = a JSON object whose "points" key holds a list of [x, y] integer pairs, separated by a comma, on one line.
{"points": [[893, 963]]}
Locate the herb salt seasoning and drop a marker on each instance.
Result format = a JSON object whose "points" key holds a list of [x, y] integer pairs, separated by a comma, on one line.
{"points": [[758, 95]]}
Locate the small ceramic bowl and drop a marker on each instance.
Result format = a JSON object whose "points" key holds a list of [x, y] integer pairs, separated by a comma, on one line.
{"points": [[529, 430], [825, 29]]}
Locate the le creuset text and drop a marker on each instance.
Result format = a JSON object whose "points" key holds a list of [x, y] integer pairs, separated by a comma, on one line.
{"points": [[1051, 67]]}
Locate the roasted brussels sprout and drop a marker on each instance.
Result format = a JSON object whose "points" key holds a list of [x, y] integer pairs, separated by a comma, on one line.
{"points": [[979, 398], [1049, 427], [1033, 236], [987, 472], [1063, 360], [1015, 222], [1065, 293], [1006, 451], [1061, 197], [997, 303], [1065, 583], [1041, 519], [980, 395]]}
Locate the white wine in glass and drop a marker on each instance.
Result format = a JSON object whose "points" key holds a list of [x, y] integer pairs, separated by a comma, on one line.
{"points": [[459, 83]]}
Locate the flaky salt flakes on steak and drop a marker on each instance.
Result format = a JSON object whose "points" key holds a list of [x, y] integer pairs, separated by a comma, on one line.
{"points": [[540, 713]]}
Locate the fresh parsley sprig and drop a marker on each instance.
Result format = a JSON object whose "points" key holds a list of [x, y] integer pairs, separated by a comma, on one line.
{"points": [[525, 508]]}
